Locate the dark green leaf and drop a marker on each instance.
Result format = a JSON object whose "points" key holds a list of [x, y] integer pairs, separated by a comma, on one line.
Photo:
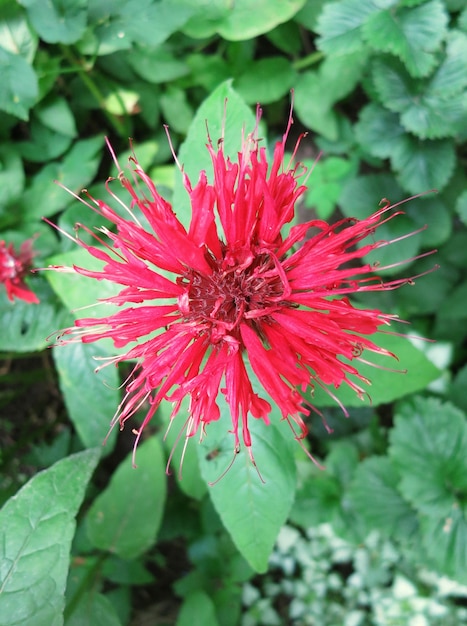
{"points": [[386, 385], [126, 516], [240, 497], [56, 115], [375, 496], [378, 130], [44, 144], [429, 448], [57, 21], [412, 34], [11, 175], [19, 85], [423, 165], [461, 207], [90, 398], [93, 608], [36, 530], [156, 65], [266, 80], [454, 307]]}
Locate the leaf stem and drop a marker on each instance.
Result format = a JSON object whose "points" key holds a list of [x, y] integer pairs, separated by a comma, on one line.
{"points": [[310, 59]]}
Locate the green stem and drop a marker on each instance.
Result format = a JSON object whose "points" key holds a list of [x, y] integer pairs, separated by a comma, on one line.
{"points": [[117, 125], [84, 586], [311, 59]]}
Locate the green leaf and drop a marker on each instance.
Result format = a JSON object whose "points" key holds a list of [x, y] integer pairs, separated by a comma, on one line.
{"points": [[423, 165], [412, 34], [266, 80], [340, 24], [93, 608], [454, 307], [16, 35], [386, 386], [176, 110], [57, 21], [316, 92], [197, 610], [429, 448], [378, 130], [36, 529], [326, 183], [445, 541], [91, 399], [375, 496], [44, 144], [79, 166], [451, 76], [431, 213], [237, 21], [193, 155], [156, 65], [56, 114], [125, 518], [251, 511], [11, 175], [461, 207], [19, 90], [116, 25]]}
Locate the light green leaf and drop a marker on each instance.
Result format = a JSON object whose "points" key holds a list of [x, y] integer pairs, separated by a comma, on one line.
{"points": [[326, 182], [156, 65], [44, 198], [19, 90], [386, 386], [237, 21], [340, 24], [11, 175], [251, 511], [36, 530], [412, 34], [57, 21], [375, 496], [423, 165], [266, 80], [56, 114], [16, 35], [176, 109], [429, 448], [193, 154], [91, 399], [125, 518], [451, 76], [197, 610]]}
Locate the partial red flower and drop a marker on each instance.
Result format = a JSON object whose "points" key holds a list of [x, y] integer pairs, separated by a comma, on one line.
{"points": [[203, 305], [14, 266]]}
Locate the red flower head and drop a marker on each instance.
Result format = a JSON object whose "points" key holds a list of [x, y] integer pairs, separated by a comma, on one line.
{"points": [[13, 268], [241, 292]]}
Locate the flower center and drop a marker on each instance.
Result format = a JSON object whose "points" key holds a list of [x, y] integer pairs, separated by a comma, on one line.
{"points": [[233, 293]]}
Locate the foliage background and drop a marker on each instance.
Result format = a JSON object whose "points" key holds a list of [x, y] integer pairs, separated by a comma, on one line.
{"points": [[381, 87]]}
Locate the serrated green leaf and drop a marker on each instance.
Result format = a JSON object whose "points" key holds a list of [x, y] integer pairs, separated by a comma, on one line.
{"points": [[237, 22], [423, 165], [340, 24], [445, 541], [91, 399], [377, 130], [56, 21], [432, 214], [451, 76], [429, 448], [125, 518], [19, 90], [415, 372], [36, 530], [193, 155], [266, 80], [16, 35], [240, 498], [412, 34], [44, 198], [197, 610], [395, 88], [375, 496]]}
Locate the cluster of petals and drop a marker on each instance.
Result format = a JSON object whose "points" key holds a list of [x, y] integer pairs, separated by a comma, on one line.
{"points": [[232, 309], [14, 266]]}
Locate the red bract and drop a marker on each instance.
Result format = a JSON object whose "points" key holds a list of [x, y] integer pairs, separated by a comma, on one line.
{"points": [[13, 268], [203, 306]]}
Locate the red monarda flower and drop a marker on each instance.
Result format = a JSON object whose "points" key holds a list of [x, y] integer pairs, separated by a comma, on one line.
{"points": [[198, 304], [13, 268]]}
